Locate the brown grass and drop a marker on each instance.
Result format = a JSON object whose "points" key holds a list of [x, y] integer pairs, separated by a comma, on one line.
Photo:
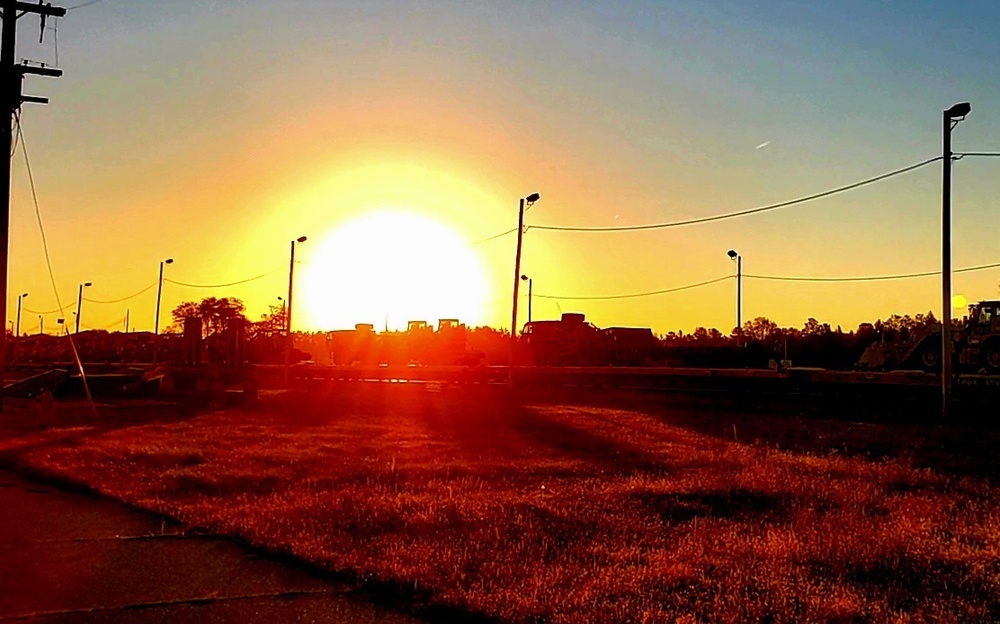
{"points": [[563, 513]]}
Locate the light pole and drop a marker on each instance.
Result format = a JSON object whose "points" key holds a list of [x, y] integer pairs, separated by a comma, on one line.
{"points": [[288, 318], [950, 119], [18, 326], [79, 304], [738, 259], [41, 325], [159, 293], [529, 201], [525, 277]]}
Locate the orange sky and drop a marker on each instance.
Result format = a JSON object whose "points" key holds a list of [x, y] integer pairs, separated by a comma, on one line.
{"points": [[195, 137]]}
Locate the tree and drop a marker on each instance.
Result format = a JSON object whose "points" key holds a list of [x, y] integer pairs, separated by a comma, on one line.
{"points": [[759, 329], [216, 314], [815, 328], [273, 322]]}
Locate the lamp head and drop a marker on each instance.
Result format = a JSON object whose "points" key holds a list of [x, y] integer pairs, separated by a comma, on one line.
{"points": [[733, 254], [524, 278], [168, 261], [301, 239], [87, 284], [959, 111], [24, 295], [530, 199]]}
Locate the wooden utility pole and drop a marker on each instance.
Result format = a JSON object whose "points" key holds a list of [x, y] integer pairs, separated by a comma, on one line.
{"points": [[11, 98]]}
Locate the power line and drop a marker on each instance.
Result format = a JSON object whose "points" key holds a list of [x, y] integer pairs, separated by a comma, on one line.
{"points": [[83, 4], [642, 294], [869, 278], [963, 154], [495, 236], [782, 278], [133, 296], [48, 261], [741, 213], [44, 312], [250, 279]]}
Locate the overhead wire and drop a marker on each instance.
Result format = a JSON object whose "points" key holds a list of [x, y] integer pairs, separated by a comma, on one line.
{"points": [[83, 4], [642, 294], [132, 296], [48, 259], [868, 278], [44, 312], [245, 281], [740, 213]]}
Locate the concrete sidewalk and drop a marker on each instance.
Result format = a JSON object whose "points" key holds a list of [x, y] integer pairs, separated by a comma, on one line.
{"points": [[68, 557]]}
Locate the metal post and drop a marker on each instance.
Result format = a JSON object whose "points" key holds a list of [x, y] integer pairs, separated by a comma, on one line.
{"points": [[529, 298], [10, 91], [159, 293], [946, 346], [11, 76], [17, 332], [517, 279], [739, 300], [79, 308], [41, 325], [288, 317]]}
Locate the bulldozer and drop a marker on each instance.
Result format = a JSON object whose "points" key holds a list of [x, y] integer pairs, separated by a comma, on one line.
{"points": [[975, 345]]}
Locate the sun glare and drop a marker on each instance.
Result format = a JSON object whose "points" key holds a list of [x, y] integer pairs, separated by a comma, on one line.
{"points": [[391, 267]]}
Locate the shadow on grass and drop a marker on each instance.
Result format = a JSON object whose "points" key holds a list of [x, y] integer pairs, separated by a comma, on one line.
{"points": [[874, 431], [736, 504]]}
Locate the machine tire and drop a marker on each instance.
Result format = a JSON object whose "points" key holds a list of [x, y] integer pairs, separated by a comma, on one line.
{"points": [[930, 358], [991, 357]]}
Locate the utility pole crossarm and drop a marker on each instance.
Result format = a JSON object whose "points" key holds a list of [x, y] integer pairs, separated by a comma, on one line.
{"points": [[38, 70], [39, 9]]}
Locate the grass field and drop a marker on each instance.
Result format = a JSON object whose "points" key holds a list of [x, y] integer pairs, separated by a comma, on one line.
{"points": [[549, 511]]}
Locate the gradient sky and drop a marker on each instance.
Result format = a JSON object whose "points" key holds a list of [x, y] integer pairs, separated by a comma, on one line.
{"points": [[215, 134]]}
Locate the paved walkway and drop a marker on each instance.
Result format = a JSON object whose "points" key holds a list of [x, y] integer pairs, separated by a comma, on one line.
{"points": [[67, 557]]}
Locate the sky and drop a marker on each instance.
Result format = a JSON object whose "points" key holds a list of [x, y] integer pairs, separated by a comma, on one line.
{"points": [[215, 135]]}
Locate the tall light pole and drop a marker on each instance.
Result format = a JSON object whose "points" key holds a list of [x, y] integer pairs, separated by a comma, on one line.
{"points": [[950, 119], [738, 259], [17, 332], [41, 325], [79, 305], [529, 201], [288, 317], [159, 293], [528, 279]]}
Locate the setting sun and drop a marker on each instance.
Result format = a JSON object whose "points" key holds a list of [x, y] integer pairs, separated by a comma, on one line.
{"points": [[390, 267]]}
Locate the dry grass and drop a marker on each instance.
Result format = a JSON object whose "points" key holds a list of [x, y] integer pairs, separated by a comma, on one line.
{"points": [[561, 513]]}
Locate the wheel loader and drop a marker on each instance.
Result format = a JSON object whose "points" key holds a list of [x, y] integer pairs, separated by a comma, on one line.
{"points": [[975, 340]]}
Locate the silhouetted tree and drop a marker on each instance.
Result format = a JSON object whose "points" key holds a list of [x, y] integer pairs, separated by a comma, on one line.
{"points": [[215, 314]]}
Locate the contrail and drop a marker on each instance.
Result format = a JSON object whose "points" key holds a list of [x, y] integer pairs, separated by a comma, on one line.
{"points": [[763, 145]]}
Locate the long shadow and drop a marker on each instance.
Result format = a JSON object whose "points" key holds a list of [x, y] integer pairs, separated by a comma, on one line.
{"points": [[961, 446]]}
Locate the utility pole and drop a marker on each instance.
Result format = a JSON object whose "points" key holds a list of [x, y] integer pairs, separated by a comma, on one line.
{"points": [[950, 119], [288, 317], [11, 98], [529, 200]]}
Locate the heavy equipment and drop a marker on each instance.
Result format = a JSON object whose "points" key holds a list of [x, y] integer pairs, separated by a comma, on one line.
{"points": [[976, 345]]}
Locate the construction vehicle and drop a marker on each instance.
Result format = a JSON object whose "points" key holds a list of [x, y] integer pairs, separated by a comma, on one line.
{"points": [[976, 345]]}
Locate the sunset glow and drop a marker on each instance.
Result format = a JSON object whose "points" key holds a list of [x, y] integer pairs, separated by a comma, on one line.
{"points": [[390, 267]]}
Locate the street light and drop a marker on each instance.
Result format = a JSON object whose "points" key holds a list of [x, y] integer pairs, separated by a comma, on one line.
{"points": [[159, 293], [19, 298], [950, 119], [525, 277], [79, 304], [41, 325], [738, 259], [529, 201], [288, 317]]}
